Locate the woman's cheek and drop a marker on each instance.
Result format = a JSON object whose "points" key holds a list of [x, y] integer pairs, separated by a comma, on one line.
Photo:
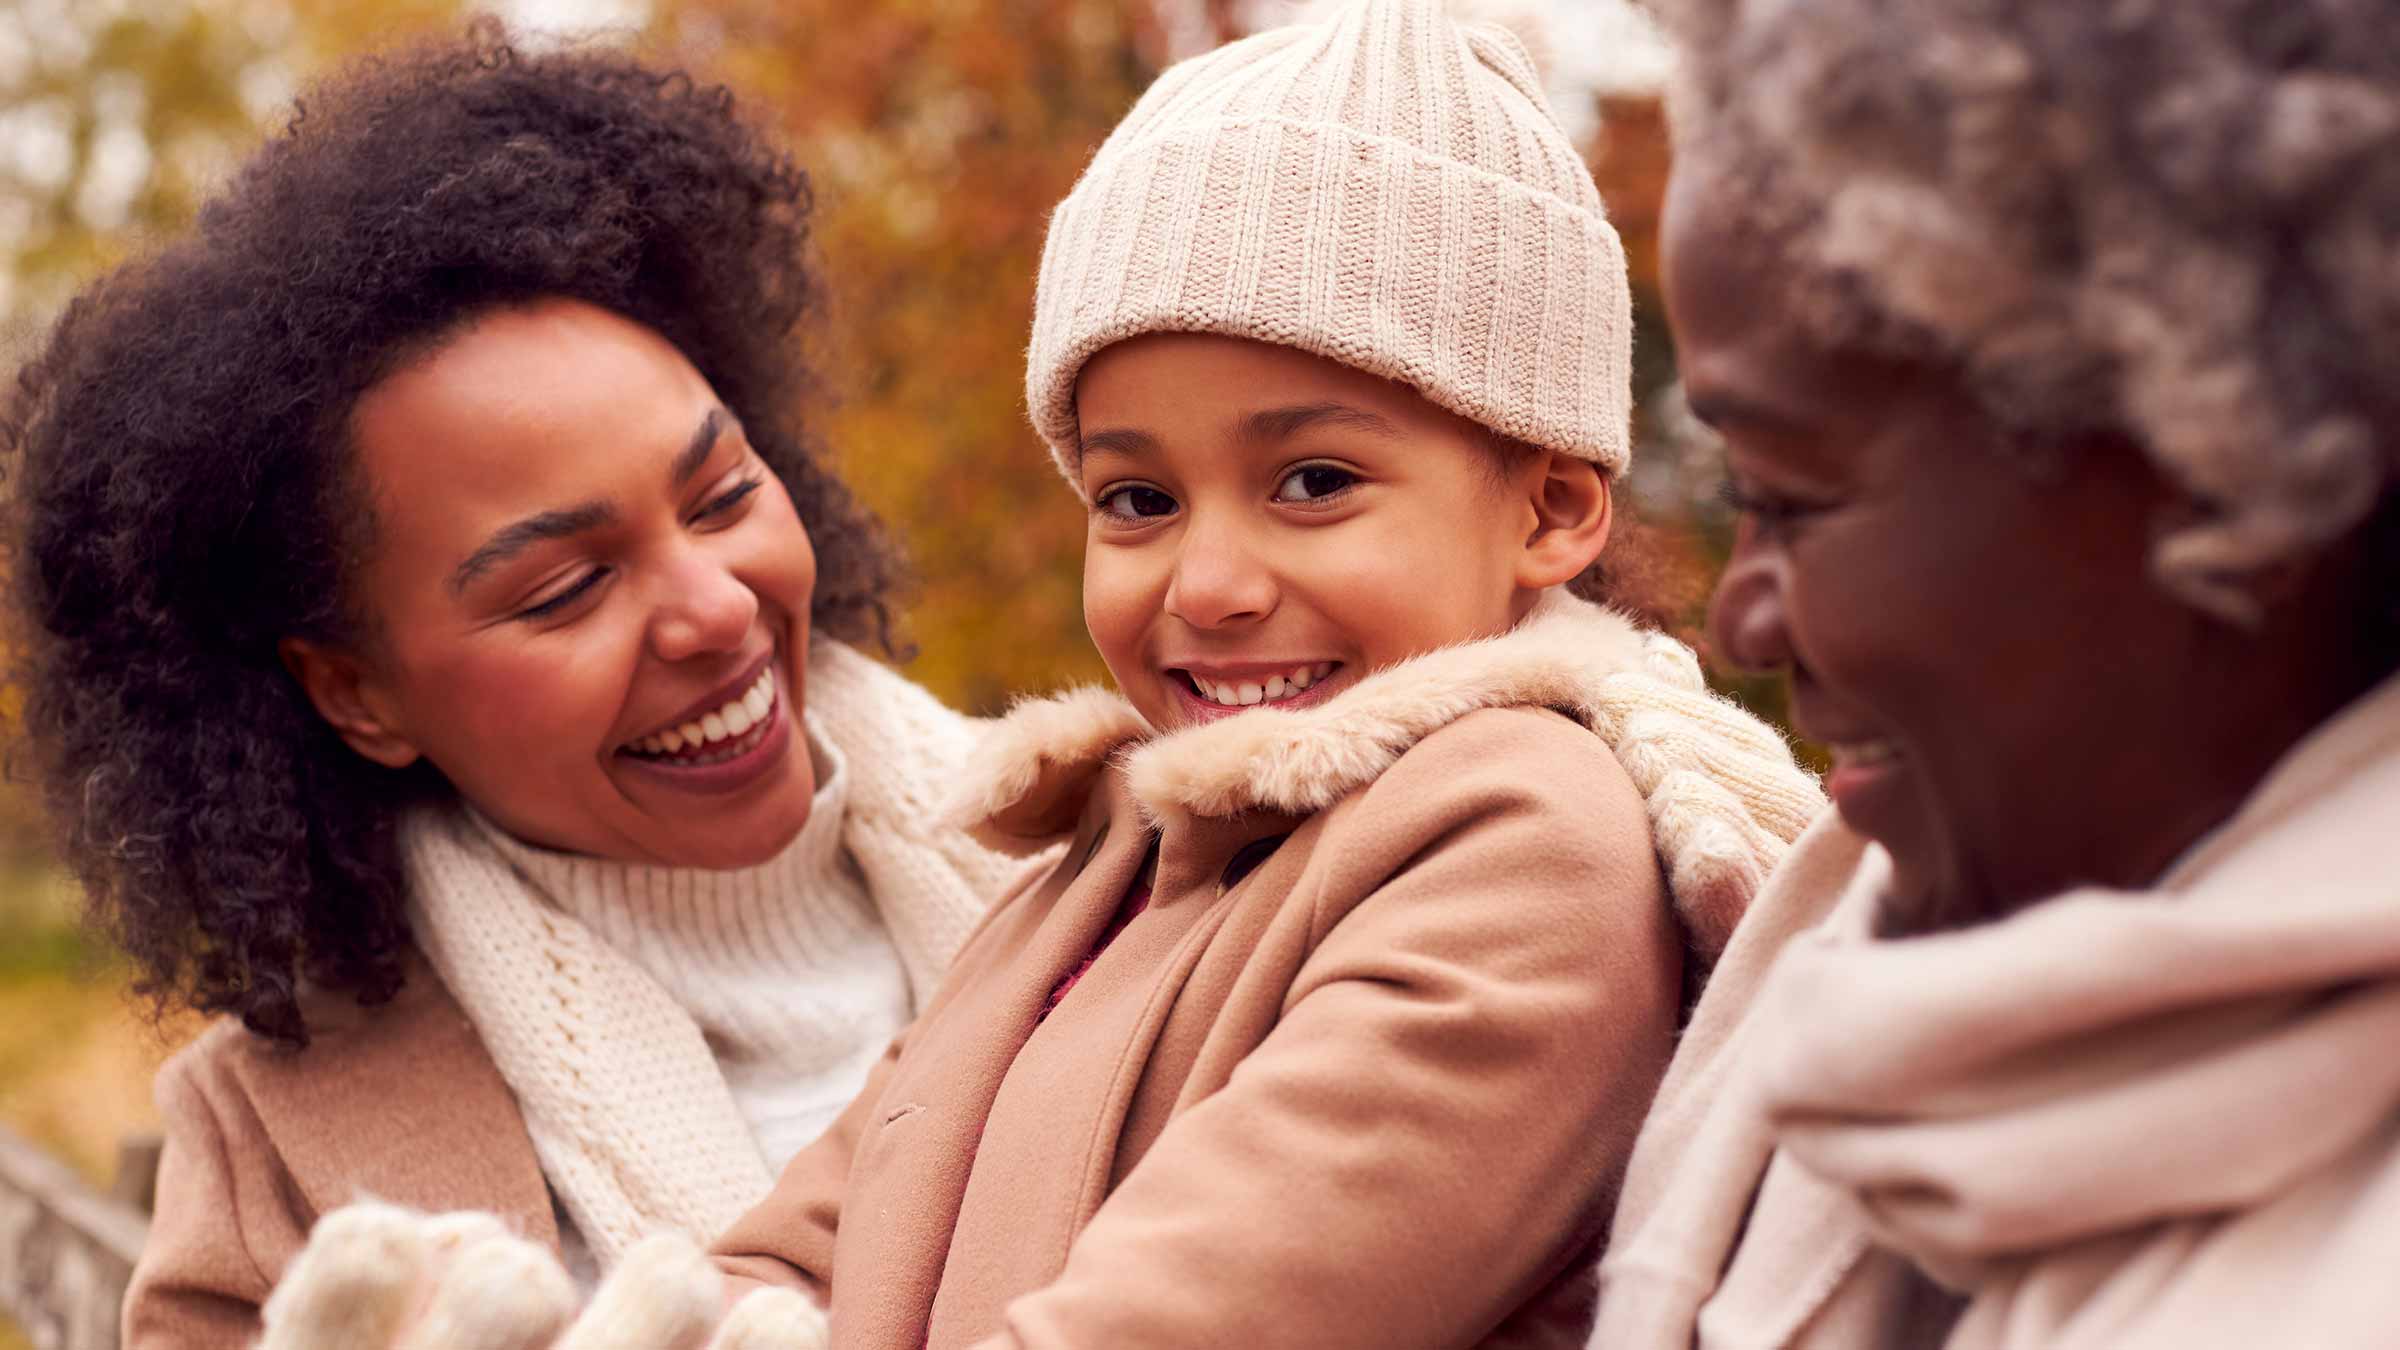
{"points": [[548, 696]]}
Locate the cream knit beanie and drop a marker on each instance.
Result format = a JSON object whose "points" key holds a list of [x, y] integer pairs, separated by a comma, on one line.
{"points": [[1386, 188]]}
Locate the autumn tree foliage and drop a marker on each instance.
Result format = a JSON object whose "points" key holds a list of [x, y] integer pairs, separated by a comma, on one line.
{"points": [[938, 134]]}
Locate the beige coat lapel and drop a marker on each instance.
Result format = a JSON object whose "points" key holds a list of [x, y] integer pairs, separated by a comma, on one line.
{"points": [[1063, 1108], [913, 1164], [399, 1102]]}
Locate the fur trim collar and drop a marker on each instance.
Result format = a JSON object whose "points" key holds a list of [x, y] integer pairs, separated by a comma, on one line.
{"points": [[1724, 796], [1035, 769]]}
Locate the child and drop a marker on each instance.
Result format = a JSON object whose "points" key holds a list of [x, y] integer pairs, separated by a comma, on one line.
{"points": [[1335, 1020], [1334, 1025]]}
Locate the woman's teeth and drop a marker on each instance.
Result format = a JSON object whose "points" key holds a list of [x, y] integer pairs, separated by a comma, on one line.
{"points": [[718, 735], [1862, 753], [1244, 694]]}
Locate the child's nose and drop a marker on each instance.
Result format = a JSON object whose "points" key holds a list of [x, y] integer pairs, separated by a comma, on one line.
{"points": [[1219, 580]]}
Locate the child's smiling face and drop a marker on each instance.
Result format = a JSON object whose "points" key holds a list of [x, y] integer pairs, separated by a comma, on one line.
{"points": [[1267, 526]]}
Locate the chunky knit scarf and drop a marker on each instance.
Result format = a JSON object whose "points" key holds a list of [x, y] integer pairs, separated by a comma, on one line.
{"points": [[624, 1095]]}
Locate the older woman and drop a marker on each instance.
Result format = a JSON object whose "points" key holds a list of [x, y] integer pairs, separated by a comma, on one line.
{"points": [[437, 636], [2056, 346]]}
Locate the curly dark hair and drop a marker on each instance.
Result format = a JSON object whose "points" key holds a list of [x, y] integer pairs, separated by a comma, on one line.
{"points": [[184, 491]]}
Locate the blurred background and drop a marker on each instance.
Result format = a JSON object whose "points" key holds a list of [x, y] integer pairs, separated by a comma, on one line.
{"points": [[938, 133]]}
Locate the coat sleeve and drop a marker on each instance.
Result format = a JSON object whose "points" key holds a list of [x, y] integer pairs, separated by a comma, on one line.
{"points": [[1439, 1119], [199, 1284]]}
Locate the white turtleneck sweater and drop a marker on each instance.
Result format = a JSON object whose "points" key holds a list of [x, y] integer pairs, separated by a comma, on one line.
{"points": [[673, 1035], [786, 967]]}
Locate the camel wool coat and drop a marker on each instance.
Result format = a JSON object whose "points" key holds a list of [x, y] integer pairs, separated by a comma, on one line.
{"points": [[1364, 1072]]}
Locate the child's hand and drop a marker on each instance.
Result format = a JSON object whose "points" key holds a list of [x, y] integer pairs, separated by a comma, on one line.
{"points": [[380, 1277]]}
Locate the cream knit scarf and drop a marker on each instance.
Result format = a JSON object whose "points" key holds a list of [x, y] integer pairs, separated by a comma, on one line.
{"points": [[2167, 1117], [623, 1096]]}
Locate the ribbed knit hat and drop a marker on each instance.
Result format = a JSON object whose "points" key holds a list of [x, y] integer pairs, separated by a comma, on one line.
{"points": [[1386, 188]]}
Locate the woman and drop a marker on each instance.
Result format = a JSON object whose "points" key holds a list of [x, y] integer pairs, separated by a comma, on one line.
{"points": [[2057, 351], [437, 660]]}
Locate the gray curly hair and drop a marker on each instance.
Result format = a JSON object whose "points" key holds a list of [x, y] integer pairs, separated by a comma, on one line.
{"points": [[2172, 220]]}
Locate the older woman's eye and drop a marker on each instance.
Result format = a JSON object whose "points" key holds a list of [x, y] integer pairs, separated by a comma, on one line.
{"points": [[1135, 501], [1765, 507], [1314, 483]]}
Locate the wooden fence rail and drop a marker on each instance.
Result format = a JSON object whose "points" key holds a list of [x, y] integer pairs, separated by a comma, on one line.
{"points": [[66, 1250]]}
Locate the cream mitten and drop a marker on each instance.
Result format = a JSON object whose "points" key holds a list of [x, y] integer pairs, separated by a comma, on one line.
{"points": [[380, 1277]]}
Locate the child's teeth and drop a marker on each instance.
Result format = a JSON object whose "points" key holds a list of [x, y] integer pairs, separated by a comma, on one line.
{"points": [[1273, 689]]}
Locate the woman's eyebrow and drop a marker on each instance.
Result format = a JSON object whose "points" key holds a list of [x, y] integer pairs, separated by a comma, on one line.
{"points": [[511, 540], [514, 539], [704, 440]]}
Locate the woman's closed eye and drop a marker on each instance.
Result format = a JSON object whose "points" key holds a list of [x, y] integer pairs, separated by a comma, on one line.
{"points": [[1133, 502], [557, 601], [724, 502], [1314, 484]]}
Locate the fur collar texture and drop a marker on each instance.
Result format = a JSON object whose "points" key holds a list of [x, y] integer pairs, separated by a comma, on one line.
{"points": [[1724, 794]]}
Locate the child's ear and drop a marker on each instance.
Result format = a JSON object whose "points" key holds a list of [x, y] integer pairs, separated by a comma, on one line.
{"points": [[1571, 512], [348, 698]]}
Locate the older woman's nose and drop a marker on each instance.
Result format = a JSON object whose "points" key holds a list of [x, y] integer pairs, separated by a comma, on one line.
{"points": [[1747, 620], [702, 608], [1219, 579]]}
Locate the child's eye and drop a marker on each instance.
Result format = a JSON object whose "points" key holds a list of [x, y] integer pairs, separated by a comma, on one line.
{"points": [[1135, 501], [1314, 483]]}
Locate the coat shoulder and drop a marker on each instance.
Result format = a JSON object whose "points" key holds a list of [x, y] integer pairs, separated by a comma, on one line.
{"points": [[227, 1056], [1529, 762], [398, 1100], [1519, 798]]}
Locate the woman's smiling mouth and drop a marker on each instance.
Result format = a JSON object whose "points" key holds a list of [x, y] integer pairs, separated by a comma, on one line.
{"points": [[720, 734], [718, 748]]}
